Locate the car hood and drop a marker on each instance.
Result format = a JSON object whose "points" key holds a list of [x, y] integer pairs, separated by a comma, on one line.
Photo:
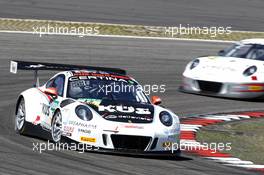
{"points": [[227, 63], [222, 68], [122, 111]]}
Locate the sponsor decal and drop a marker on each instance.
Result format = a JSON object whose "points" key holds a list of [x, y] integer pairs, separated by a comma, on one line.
{"points": [[111, 117], [94, 76], [128, 117], [13, 67], [54, 105], [128, 112], [67, 134], [36, 66], [133, 126], [68, 129], [82, 124], [88, 139], [124, 109], [255, 88], [86, 131], [218, 68], [45, 109], [87, 73]]}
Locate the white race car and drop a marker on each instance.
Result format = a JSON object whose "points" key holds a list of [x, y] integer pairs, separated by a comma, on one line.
{"points": [[80, 104], [237, 72]]}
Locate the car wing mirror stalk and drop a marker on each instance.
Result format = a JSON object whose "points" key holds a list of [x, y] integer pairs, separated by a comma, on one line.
{"points": [[52, 92], [156, 100]]}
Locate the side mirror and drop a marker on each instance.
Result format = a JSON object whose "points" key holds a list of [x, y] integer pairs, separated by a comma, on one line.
{"points": [[221, 52], [156, 100], [51, 91]]}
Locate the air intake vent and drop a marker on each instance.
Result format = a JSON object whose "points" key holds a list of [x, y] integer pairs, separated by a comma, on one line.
{"points": [[130, 142], [209, 86]]}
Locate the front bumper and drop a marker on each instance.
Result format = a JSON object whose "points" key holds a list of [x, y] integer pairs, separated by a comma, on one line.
{"points": [[140, 143], [223, 89], [171, 152], [132, 140]]}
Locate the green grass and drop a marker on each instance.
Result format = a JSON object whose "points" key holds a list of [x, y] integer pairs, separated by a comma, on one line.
{"points": [[247, 138]]}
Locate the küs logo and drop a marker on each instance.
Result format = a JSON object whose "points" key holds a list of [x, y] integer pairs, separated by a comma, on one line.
{"points": [[123, 109]]}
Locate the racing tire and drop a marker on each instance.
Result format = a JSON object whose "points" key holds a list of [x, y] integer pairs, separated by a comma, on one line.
{"points": [[56, 127], [21, 125]]}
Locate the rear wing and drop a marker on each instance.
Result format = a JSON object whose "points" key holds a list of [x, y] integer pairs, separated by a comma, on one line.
{"points": [[36, 66]]}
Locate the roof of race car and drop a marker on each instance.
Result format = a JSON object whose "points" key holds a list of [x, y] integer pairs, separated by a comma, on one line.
{"points": [[253, 41]]}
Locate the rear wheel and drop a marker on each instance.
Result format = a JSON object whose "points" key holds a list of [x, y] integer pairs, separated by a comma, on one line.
{"points": [[20, 120], [56, 127]]}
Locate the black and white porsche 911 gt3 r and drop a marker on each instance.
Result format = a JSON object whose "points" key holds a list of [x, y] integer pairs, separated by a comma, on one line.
{"points": [[80, 104]]}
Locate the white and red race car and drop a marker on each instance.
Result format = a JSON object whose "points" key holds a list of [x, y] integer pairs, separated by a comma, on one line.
{"points": [[237, 72], [79, 104]]}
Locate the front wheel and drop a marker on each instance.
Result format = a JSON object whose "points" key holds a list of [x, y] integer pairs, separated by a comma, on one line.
{"points": [[56, 127]]}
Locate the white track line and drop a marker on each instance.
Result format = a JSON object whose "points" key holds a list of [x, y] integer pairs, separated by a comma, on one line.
{"points": [[231, 160], [190, 126], [240, 162], [218, 118], [224, 117]]}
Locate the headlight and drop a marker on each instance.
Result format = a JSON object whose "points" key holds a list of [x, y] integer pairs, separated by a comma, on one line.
{"points": [[194, 63], [165, 118], [84, 113], [250, 71]]}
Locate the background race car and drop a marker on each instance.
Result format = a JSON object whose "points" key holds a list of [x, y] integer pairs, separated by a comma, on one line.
{"points": [[236, 73]]}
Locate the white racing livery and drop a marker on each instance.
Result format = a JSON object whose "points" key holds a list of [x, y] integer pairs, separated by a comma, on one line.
{"points": [[73, 105], [237, 72]]}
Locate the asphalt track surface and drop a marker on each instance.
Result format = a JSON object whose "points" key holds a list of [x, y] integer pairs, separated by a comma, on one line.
{"points": [[239, 14], [149, 61]]}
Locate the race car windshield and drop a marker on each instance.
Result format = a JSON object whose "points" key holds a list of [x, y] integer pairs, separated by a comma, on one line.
{"points": [[125, 90], [248, 51]]}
